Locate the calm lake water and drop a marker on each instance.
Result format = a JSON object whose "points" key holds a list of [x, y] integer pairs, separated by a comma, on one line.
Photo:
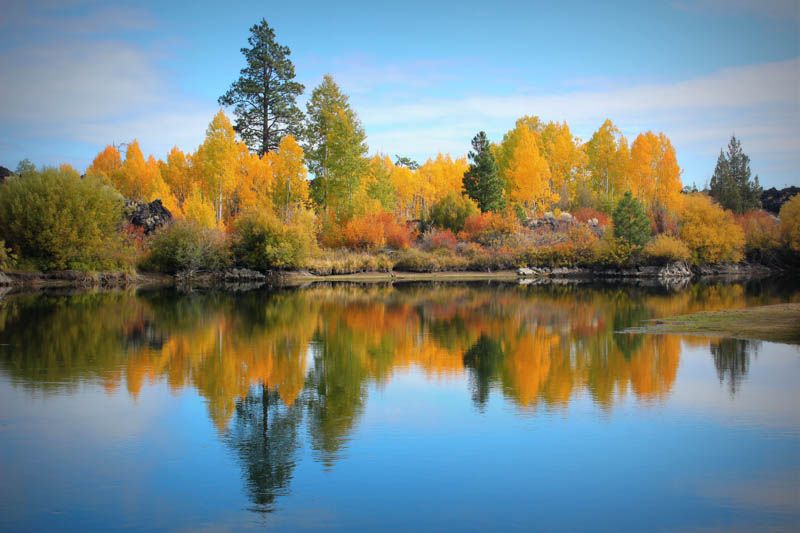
{"points": [[422, 406]]}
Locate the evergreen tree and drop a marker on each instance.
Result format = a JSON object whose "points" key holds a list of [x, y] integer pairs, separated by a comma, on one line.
{"points": [[731, 185], [482, 182], [631, 224], [264, 95]]}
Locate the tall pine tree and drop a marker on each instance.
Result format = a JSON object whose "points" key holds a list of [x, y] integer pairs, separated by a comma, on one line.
{"points": [[264, 95], [731, 185], [482, 182]]}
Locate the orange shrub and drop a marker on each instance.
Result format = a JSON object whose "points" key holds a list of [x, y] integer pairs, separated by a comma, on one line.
{"points": [[363, 233], [761, 230], [398, 235], [435, 239], [490, 229], [373, 231]]}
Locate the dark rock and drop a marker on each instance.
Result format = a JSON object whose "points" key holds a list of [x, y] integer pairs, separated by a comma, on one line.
{"points": [[149, 217], [4, 173], [772, 199]]}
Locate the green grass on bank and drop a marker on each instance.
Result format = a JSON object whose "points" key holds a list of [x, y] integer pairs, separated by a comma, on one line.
{"points": [[774, 323]]}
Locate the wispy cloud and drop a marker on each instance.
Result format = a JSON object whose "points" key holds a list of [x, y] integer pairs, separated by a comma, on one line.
{"points": [[760, 103], [764, 8]]}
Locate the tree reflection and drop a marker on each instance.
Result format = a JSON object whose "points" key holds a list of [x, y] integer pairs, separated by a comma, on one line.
{"points": [[264, 435], [732, 360], [273, 366]]}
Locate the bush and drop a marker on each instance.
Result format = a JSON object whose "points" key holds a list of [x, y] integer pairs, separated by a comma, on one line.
{"points": [[665, 249], [374, 231], [709, 231], [262, 242], [790, 223], [185, 245], [413, 260], [585, 214], [611, 252], [7, 258], [436, 238], [59, 220], [762, 232], [329, 262], [452, 211], [490, 229]]}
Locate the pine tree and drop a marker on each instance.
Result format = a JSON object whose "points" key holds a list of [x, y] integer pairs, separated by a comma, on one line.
{"points": [[631, 224], [264, 95], [731, 185], [482, 182]]}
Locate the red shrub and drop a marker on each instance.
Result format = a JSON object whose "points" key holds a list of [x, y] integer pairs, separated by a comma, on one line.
{"points": [[436, 238], [585, 214]]}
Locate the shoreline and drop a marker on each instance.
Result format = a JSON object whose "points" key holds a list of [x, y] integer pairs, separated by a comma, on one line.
{"points": [[671, 274]]}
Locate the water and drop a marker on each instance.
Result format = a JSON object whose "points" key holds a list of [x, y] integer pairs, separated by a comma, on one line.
{"points": [[423, 406]]}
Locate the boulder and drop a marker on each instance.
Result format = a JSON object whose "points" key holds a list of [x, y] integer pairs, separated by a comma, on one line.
{"points": [[148, 216], [4, 173]]}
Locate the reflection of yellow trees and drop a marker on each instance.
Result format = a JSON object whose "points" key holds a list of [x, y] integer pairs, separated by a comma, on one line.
{"points": [[538, 346]]}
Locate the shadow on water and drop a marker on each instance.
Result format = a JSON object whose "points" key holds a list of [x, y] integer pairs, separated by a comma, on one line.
{"points": [[274, 367]]}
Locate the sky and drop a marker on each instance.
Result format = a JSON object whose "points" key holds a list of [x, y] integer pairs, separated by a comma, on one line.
{"points": [[424, 77]]}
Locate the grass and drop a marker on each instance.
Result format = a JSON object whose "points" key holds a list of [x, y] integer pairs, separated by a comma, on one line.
{"points": [[774, 323]]}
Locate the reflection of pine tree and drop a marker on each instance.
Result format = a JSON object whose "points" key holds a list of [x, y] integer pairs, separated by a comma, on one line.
{"points": [[264, 436], [485, 360], [732, 359]]}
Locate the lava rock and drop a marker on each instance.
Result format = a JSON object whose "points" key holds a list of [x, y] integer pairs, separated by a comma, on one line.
{"points": [[772, 199], [148, 216], [4, 173]]}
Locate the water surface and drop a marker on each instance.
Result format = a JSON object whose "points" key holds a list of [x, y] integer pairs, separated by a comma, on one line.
{"points": [[426, 406]]}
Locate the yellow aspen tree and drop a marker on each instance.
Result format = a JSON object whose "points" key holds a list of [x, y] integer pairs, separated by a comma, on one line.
{"points": [[504, 152], [219, 162], [131, 181], [198, 209], [176, 174], [566, 159], [655, 173], [529, 175], [105, 164], [289, 187], [404, 181], [607, 153], [256, 181]]}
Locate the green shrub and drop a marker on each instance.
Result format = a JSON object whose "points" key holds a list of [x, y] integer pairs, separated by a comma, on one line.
{"points": [[452, 211], [7, 257], [611, 252], [185, 245], [665, 249], [262, 242], [58, 220]]}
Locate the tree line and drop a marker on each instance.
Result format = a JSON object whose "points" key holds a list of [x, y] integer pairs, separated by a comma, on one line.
{"points": [[282, 181]]}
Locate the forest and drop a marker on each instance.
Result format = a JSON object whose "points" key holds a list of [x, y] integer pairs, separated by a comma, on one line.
{"points": [[280, 189]]}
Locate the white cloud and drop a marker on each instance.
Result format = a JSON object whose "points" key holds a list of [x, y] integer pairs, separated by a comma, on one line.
{"points": [[759, 103]]}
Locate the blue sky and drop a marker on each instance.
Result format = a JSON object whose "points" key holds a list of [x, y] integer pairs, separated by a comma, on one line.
{"points": [[423, 76]]}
